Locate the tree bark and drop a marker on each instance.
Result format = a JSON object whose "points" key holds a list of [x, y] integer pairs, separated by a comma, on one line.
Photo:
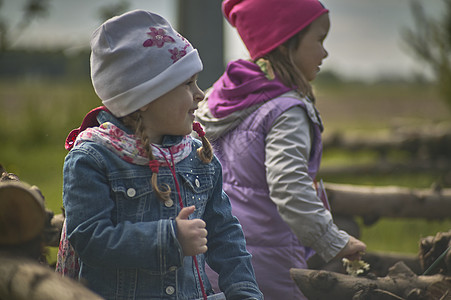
{"points": [[392, 202], [22, 279], [435, 253], [52, 232], [401, 283], [430, 143], [380, 263], [440, 166]]}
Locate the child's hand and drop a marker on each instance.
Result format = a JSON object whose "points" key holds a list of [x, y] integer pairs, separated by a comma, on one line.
{"points": [[353, 249], [191, 234]]}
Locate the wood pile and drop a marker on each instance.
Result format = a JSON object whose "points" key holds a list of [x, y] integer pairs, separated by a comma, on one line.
{"points": [[26, 228], [400, 284], [433, 282]]}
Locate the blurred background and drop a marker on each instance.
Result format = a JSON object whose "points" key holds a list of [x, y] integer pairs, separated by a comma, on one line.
{"points": [[387, 78]]}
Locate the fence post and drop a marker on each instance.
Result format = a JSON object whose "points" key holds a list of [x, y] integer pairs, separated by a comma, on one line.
{"points": [[200, 21]]}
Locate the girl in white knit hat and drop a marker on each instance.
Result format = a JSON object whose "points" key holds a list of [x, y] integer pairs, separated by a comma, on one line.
{"points": [[145, 209]]}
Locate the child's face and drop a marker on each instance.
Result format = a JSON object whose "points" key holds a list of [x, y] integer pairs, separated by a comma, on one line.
{"points": [[310, 51], [172, 113]]}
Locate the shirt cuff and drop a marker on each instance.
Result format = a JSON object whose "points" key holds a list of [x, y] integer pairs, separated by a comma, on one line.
{"points": [[331, 243]]}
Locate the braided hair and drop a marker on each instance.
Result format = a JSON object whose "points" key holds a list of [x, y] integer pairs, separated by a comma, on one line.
{"points": [[134, 122]]}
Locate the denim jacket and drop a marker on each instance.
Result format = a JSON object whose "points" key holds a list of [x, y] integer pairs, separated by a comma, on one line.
{"points": [[126, 237]]}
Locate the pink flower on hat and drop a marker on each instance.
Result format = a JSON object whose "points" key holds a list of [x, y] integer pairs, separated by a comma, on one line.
{"points": [[157, 37], [177, 54]]}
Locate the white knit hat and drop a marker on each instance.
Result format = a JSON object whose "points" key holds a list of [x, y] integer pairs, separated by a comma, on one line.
{"points": [[138, 57]]}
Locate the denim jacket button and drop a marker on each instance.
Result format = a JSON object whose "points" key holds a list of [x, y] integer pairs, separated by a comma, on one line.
{"points": [[197, 182], [168, 203], [131, 192], [170, 290]]}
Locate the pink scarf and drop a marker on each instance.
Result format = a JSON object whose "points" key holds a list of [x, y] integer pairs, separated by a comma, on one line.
{"points": [[129, 148]]}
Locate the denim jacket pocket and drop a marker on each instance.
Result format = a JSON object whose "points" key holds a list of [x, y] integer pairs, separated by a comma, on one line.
{"points": [[132, 197], [198, 185]]}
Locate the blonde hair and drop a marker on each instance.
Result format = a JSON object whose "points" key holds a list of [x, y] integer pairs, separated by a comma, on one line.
{"points": [[206, 151], [281, 61], [134, 122]]}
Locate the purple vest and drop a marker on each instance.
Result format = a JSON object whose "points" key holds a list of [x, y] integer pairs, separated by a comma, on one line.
{"points": [[272, 243]]}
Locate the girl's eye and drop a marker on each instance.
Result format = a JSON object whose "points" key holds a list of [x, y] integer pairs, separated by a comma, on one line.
{"points": [[190, 82]]}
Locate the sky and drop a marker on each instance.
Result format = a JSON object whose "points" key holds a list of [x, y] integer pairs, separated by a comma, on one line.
{"points": [[364, 41]]}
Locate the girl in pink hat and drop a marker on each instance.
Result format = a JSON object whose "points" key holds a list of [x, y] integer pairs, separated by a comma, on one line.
{"points": [[265, 129]]}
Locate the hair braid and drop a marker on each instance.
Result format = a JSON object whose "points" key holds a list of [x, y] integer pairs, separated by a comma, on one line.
{"points": [[134, 121], [206, 151]]}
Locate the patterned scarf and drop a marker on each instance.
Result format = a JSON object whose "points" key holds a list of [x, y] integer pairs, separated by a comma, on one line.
{"points": [[129, 148]]}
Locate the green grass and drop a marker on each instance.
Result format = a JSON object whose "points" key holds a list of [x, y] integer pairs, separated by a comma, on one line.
{"points": [[36, 117], [361, 108], [400, 235]]}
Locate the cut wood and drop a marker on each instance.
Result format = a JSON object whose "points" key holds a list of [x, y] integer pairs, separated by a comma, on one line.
{"points": [[389, 201], [23, 279], [435, 253], [400, 283], [388, 167], [52, 232], [22, 213], [380, 263], [432, 142]]}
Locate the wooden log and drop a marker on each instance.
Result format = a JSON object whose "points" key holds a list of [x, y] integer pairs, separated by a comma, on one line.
{"points": [[22, 213], [20, 207], [431, 142], [401, 283], [22, 279], [380, 263], [435, 254], [52, 232], [388, 167], [392, 202]]}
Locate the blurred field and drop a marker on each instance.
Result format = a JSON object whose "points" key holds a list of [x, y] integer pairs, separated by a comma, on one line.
{"points": [[355, 106], [37, 115]]}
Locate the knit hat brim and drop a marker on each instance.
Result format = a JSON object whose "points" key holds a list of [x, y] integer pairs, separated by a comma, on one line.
{"points": [[141, 95]]}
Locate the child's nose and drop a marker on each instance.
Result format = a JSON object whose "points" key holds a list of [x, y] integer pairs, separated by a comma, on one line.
{"points": [[199, 94], [326, 54]]}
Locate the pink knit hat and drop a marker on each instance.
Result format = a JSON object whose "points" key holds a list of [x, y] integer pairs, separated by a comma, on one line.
{"points": [[266, 24]]}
